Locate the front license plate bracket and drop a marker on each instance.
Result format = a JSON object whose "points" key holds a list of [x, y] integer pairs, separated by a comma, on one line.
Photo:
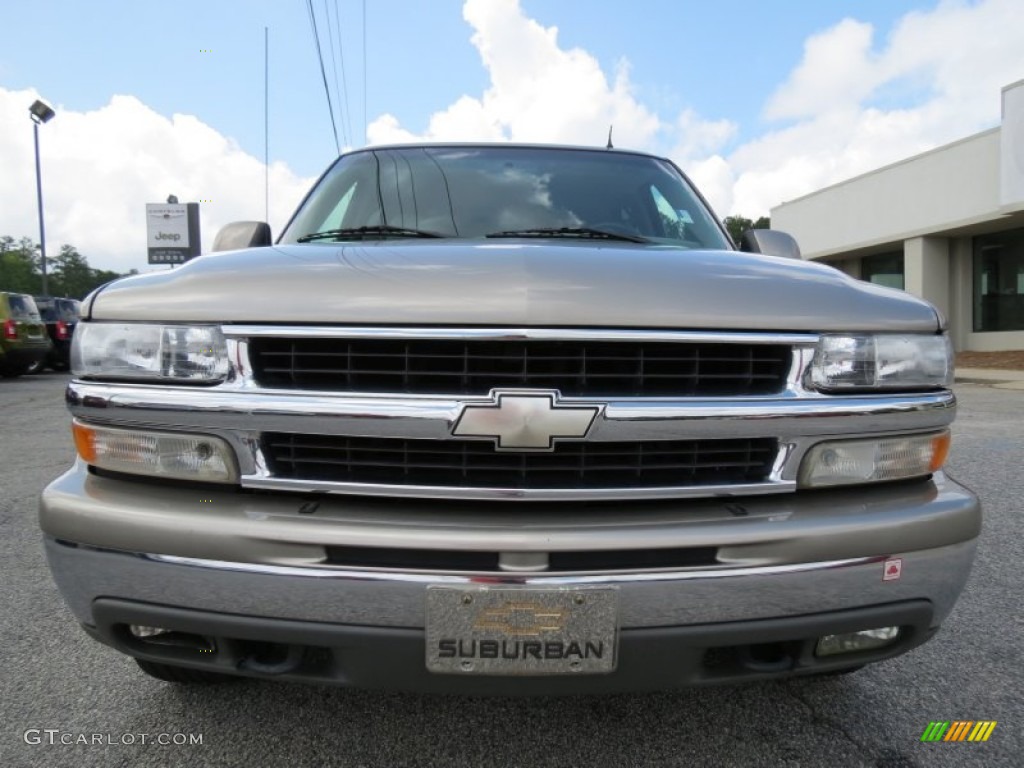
{"points": [[485, 630]]}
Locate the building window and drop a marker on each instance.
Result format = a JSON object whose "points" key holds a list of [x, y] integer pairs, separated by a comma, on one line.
{"points": [[999, 281], [883, 269]]}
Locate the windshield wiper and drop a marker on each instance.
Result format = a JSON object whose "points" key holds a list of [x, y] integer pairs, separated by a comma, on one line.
{"points": [[584, 232], [367, 233]]}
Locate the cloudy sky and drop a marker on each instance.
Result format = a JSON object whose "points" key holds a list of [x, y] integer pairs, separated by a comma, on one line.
{"points": [[758, 102]]}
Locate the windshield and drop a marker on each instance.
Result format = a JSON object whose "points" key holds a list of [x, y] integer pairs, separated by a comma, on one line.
{"points": [[495, 191], [22, 307], [68, 310]]}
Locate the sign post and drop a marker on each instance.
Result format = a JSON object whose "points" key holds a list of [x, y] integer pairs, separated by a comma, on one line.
{"points": [[172, 232]]}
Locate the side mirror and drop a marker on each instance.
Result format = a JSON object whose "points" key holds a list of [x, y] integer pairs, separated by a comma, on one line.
{"points": [[242, 234], [770, 242]]}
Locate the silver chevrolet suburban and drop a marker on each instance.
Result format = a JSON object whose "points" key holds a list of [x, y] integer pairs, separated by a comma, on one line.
{"points": [[507, 419]]}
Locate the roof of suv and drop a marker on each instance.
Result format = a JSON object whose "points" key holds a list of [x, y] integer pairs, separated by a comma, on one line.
{"points": [[498, 145]]}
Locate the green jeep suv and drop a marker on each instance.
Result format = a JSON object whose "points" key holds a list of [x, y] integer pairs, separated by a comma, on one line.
{"points": [[23, 338]]}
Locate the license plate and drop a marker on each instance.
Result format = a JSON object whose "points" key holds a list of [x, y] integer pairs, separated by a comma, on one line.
{"points": [[512, 631]]}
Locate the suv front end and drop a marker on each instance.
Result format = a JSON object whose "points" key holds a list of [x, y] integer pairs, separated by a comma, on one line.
{"points": [[523, 466]]}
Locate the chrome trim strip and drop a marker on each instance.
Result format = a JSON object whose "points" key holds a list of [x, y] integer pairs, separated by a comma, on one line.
{"points": [[514, 334], [504, 577], [432, 418], [264, 481]]}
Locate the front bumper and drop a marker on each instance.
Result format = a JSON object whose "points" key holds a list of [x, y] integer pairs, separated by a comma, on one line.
{"points": [[653, 658], [245, 568]]}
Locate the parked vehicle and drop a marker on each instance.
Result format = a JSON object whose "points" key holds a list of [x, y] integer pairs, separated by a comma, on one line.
{"points": [[23, 339], [508, 419], [61, 315]]}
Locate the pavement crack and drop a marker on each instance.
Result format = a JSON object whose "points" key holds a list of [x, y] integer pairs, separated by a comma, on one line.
{"points": [[885, 760]]}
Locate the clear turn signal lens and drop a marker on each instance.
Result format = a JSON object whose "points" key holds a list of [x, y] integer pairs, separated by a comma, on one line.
{"points": [[173, 455], [848, 462]]}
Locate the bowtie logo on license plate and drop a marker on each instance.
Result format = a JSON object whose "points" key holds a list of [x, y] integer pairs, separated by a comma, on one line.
{"points": [[517, 618], [521, 421]]}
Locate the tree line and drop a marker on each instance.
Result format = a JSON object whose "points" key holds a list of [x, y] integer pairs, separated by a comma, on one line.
{"points": [[68, 272], [737, 225]]}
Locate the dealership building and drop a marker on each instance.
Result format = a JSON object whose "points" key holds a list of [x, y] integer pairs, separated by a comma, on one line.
{"points": [[946, 225]]}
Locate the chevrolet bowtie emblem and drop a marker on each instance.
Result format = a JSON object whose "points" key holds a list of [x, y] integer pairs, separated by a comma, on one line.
{"points": [[521, 618], [525, 421]]}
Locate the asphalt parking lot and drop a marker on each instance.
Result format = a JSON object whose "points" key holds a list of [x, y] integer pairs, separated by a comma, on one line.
{"points": [[56, 679]]}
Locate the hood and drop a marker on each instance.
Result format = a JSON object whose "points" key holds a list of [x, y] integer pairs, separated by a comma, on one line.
{"points": [[515, 283]]}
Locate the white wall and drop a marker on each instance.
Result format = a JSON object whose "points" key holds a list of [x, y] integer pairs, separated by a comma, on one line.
{"points": [[1011, 192], [954, 185], [926, 270]]}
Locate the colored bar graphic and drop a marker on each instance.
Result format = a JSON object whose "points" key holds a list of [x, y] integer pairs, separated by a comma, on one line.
{"points": [[958, 730], [982, 730]]}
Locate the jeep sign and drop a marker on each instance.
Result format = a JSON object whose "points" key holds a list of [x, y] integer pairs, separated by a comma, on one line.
{"points": [[172, 232]]}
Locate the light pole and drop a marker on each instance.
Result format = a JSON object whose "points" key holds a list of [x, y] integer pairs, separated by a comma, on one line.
{"points": [[40, 113]]}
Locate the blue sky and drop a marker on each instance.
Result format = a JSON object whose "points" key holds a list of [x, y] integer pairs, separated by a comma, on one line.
{"points": [[759, 101], [721, 59]]}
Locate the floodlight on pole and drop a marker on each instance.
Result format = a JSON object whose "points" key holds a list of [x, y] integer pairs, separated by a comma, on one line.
{"points": [[40, 113]]}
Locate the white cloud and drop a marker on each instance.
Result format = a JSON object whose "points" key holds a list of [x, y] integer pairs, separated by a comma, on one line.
{"points": [[538, 91], [945, 67], [99, 169], [832, 118], [836, 71]]}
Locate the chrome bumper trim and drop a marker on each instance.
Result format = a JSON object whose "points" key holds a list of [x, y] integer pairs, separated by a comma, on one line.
{"points": [[504, 577], [397, 599]]}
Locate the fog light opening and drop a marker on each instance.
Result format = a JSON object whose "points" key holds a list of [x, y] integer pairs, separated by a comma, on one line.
{"points": [[854, 642], [142, 632], [767, 657], [159, 636]]}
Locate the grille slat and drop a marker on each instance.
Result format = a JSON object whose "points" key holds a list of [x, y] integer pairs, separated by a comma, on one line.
{"points": [[475, 366], [476, 464]]}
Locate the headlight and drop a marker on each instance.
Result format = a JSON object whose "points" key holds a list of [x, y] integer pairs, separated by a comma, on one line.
{"points": [[882, 361], [851, 462], [171, 353]]}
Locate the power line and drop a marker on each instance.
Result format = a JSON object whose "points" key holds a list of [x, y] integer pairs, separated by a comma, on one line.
{"points": [[334, 69], [344, 78], [323, 72], [364, 73]]}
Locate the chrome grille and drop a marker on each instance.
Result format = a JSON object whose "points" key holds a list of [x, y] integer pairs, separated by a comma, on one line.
{"points": [[590, 368], [476, 464]]}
